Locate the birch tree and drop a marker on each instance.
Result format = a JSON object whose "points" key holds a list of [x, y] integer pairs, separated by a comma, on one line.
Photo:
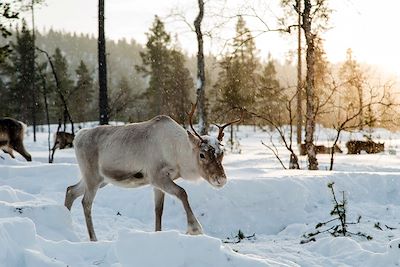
{"points": [[201, 77]]}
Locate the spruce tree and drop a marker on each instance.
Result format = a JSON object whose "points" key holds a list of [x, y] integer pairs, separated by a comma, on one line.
{"points": [[83, 94], [7, 12], [155, 61], [178, 88], [238, 76], [353, 79], [61, 67], [323, 87], [271, 99], [237, 81], [4, 109], [245, 58], [120, 99], [21, 101]]}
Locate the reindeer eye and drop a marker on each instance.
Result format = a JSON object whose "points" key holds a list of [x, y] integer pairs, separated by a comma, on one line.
{"points": [[202, 156]]}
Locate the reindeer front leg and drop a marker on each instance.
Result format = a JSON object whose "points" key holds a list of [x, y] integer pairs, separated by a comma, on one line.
{"points": [[164, 183], [159, 206]]}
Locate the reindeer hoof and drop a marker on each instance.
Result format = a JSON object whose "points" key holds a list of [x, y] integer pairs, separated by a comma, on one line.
{"points": [[195, 230]]}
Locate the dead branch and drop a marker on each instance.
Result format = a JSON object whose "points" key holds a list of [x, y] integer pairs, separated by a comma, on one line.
{"points": [[274, 151]]}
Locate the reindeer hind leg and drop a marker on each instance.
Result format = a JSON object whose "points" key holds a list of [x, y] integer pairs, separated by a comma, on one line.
{"points": [[159, 206], [72, 193], [87, 202], [19, 147]]}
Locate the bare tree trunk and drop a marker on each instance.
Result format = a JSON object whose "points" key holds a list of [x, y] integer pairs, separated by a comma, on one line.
{"points": [[310, 58], [339, 130], [33, 74], [299, 83], [361, 103], [201, 78], [103, 100], [231, 138]]}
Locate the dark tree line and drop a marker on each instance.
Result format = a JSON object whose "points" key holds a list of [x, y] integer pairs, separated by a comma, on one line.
{"points": [[17, 78], [169, 83]]}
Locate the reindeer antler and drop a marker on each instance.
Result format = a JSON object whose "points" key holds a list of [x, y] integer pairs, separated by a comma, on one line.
{"points": [[190, 121], [221, 128]]}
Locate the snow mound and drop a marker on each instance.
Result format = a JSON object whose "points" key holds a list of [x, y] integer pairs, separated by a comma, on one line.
{"points": [[18, 244], [171, 248], [51, 220]]}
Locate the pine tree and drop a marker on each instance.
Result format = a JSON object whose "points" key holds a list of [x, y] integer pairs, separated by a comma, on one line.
{"points": [[237, 81], [21, 101], [7, 13], [238, 78], [83, 94], [323, 86], [229, 84], [244, 56], [120, 98], [155, 61], [4, 109], [66, 83], [271, 99], [178, 88], [352, 76]]}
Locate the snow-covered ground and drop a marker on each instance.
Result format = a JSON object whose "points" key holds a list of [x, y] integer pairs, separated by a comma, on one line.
{"points": [[278, 206]]}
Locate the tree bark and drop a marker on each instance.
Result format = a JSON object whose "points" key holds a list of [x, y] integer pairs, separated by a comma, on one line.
{"points": [[201, 79], [310, 59], [103, 99]]}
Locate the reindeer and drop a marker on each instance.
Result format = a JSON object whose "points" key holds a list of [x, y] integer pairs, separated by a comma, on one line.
{"points": [[320, 149], [356, 146], [154, 152], [327, 150], [12, 136], [63, 140]]}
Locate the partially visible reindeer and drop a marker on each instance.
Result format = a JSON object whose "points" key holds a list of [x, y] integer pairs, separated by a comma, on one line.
{"points": [[320, 149], [328, 150], [63, 140], [356, 146], [12, 137], [154, 152]]}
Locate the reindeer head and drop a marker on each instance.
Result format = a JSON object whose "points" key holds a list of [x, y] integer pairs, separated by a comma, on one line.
{"points": [[209, 153]]}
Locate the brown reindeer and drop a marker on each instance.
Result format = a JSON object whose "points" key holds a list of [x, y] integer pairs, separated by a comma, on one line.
{"points": [[320, 149], [155, 152], [12, 136], [356, 146], [63, 140]]}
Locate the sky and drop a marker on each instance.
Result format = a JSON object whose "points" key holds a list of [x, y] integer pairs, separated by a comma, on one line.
{"points": [[368, 27]]}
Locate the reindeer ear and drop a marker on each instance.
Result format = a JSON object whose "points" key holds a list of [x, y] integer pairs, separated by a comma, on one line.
{"points": [[195, 141]]}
